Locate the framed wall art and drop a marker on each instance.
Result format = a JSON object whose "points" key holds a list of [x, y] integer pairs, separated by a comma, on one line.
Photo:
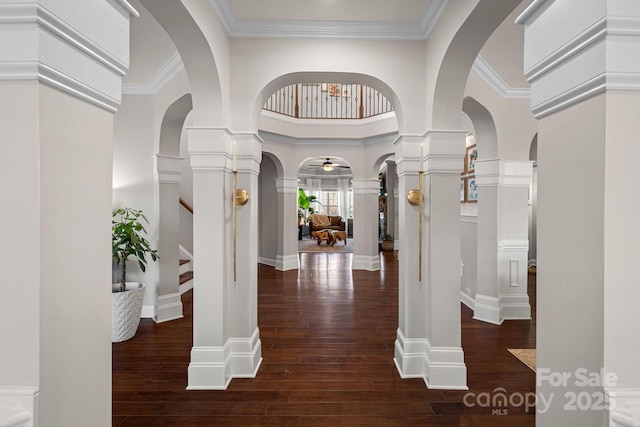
{"points": [[472, 189], [463, 190], [470, 158]]}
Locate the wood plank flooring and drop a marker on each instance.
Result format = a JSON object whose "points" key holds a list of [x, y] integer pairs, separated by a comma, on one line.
{"points": [[327, 341]]}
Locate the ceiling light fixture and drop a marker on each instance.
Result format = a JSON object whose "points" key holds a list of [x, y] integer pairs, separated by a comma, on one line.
{"points": [[327, 166]]}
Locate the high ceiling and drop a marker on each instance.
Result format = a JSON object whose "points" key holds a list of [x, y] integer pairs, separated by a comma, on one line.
{"points": [[152, 50]]}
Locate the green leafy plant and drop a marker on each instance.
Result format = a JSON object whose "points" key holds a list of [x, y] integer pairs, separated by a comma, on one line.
{"points": [[127, 231], [388, 237], [304, 204]]}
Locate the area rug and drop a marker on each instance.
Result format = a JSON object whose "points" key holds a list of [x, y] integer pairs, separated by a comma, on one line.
{"points": [[526, 356], [308, 245]]}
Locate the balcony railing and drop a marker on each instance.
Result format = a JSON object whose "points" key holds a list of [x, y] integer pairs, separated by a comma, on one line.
{"points": [[328, 101]]}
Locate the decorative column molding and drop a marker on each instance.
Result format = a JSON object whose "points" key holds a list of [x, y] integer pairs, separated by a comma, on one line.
{"points": [[428, 343], [19, 406], [287, 234], [585, 59], [84, 60], [365, 225], [217, 356], [503, 244], [169, 169]]}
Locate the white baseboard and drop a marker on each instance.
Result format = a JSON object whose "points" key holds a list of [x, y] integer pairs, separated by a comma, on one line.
{"points": [[186, 286], [169, 308], [625, 406], [19, 406], [467, 300], [267, 261], [487, 309], [213, 368], [441, 368], [364, 262], [148, 312], [287, 262]]}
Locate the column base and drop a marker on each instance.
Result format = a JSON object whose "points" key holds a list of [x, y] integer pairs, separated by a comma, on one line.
{"points": [[364, 262], [507, 307], [624, 407], [287, 262], [169, 307], [19, 406], [213, 368], [440, 367]]}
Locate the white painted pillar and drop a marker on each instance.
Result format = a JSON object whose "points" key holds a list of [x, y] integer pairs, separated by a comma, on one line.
{"points": [[392, 200], [59, 86], [168, 304], [585, 82], [366, 254], [428, 343], [503, 190], [225, 342], [287, 233]]}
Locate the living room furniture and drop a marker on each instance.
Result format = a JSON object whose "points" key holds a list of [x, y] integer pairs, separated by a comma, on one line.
{"points": [[318, 222]]}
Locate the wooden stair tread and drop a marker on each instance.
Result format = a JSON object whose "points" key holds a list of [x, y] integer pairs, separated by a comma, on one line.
{"points": [[184, 261], [186, 276]]}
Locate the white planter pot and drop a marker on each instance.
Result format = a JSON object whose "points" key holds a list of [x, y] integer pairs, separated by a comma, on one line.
{"points": [[126, 308]]}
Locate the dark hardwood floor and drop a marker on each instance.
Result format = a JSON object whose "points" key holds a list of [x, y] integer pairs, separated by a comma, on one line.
{"points": [[327, 341]]}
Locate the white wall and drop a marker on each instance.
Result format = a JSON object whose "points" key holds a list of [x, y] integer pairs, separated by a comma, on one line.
{"points": [[469, 256], [267, 212], [134, 182]]}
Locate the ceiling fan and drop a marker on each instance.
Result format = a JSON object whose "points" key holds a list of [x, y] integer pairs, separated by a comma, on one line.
{"points": [[328, 165]]}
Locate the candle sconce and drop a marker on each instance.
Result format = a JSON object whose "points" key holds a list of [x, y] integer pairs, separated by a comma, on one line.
{"points": [[240, 198], [416, 198]]}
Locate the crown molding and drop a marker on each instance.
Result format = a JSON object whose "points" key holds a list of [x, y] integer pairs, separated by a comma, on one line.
{"points": [[159, 80], [270, 136], [493, 79], [328, 29]]}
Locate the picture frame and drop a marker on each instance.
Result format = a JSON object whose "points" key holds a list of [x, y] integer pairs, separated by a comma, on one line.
{"points": [[463, 190], [472, 190], [470, 158], [324, 87], [335, 89]]}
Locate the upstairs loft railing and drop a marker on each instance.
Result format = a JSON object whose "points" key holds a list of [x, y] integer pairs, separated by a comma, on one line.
{"points": [[328, 101]]}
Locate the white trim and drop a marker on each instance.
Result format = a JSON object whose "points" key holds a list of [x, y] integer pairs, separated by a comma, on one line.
{"points": [[126, 7], [267, 261], [159, 80], [365, 262], [493, 79], [625, 406], [467, 299], [487, 309], [212, 368], [169, 168], [440, 367], [186, 286], [169, 307], [530, 11], [329, 29], [19, 405], [287, 262], [148, 312]]}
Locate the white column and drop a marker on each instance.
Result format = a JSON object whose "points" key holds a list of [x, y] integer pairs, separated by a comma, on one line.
{"points": [[503, 188], [287, 233], [392, 201], [59, 88], [168, 304], [366, 254], [226, 341], [585, 92], [428, 343]]}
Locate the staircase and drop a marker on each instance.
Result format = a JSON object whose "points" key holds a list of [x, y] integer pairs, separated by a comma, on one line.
{"points": [[186, 275]]}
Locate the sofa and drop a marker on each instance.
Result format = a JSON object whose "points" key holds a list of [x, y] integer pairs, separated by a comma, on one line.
{"points": [[319, 222]]}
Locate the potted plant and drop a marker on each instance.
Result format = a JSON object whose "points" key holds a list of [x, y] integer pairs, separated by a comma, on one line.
{"points": [[304, 205], [387, 242], [128, 240]]}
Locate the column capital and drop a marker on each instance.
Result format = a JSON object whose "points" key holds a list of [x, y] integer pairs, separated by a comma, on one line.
{"points": [[370, 187], [210, 147], [286, 185], [408, 152], [444, 151], [503, 173], [169, 168], [249, 151], [588, 57]]}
